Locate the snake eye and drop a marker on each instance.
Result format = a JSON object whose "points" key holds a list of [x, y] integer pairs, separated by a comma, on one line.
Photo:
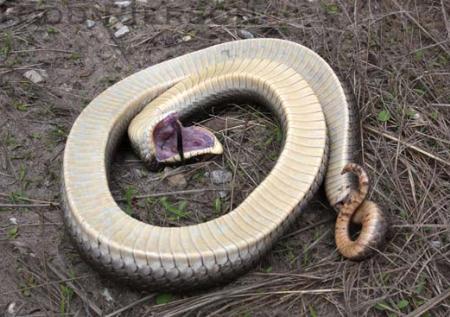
{"points": [[173, 142]]}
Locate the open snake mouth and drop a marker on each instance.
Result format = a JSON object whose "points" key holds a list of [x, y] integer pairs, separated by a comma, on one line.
{"points": [[173, 142]]}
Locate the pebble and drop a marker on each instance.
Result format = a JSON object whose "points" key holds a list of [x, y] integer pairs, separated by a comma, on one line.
{"points": [[122, 4], [112, 20], [107, 295], [219, 177], [186, 38], [177, 180], [10, 310], [13, 221], [141, 173], [90, 24], [66, 87], [152, 4], [126, 18], [35, 76], [124, 30], [436, 244], [118, 25], [223, 194], [245, 34]]}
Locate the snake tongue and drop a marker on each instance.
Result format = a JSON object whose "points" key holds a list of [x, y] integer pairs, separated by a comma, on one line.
{"points": [[174, 143]]}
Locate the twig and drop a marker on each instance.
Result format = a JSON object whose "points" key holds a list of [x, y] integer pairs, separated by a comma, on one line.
{"points": [[37, 224], [33, 200], [148, 39], [300, 292], [9, 70], [230, 33], [444, 15], [446, 105], [423, 225], [124, 308], [180, 192], [44, 50], [24, 205], [408, 145]]}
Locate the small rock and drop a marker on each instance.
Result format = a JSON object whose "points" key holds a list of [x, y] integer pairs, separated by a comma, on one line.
{"points": [[186, 38], [124, 30], [141, 173], [126, 18], [66, 87], [10, 310], [122, 4], [152, 4], [177, 181], [219, 177], [107, 295], [245, 34], [118, 25], [112, 20], [13, 221], [90, 24], [10, 11], [436, 244], [173, 178], [36, 76], [223, 194]]}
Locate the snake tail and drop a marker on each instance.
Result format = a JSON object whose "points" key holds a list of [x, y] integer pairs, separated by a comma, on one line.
{"points": [[356, 209]]}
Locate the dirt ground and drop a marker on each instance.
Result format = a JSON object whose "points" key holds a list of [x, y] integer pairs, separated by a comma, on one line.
{"points": [[394, 54]]}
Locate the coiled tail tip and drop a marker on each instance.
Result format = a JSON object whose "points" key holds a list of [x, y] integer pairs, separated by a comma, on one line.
{"points": [[374, 228], [355, 209]]}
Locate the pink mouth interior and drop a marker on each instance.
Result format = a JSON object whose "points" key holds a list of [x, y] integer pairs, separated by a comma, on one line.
{"points": [[165, 137]]}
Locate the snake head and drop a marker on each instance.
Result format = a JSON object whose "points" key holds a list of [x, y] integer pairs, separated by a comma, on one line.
{"points": [[175, 143]]}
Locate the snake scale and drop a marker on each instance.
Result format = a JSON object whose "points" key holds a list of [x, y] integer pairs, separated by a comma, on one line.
{"points": [[320, 139]]}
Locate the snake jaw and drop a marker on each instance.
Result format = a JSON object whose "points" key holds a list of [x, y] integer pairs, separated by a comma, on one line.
{"points": [[175, 143]]}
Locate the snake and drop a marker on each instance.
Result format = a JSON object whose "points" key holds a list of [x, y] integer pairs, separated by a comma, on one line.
{"points": [[319, 119]]}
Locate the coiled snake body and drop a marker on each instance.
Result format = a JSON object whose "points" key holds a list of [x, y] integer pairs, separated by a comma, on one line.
{"points": [[317, 117]]}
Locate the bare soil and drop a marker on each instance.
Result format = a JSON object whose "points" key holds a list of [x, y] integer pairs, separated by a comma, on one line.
{"points": [[395, 56]]}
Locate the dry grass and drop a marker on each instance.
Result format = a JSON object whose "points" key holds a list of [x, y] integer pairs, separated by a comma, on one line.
{"points": [[395, 55]]}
